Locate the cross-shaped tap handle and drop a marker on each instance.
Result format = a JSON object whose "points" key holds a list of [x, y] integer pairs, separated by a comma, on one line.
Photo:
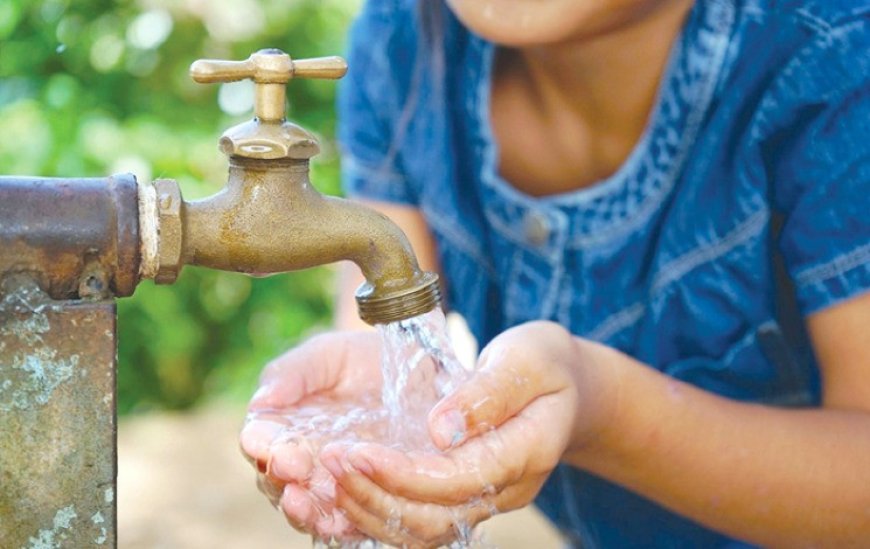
{"points": [[270, 70]]}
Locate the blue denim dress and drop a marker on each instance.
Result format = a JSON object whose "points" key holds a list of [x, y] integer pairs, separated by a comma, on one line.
{"points": [[744, 206]]}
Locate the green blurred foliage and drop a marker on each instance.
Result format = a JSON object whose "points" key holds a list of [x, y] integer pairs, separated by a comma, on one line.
{"points": [[94, 87]]}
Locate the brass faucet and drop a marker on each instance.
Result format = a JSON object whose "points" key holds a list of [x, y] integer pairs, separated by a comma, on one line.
{"points": [[269, 218]]}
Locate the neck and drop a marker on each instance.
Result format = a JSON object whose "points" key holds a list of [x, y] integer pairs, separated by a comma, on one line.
{"points": [[609, 78]]}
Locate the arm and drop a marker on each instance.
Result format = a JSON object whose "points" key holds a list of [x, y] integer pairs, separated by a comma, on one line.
{"points": [[768, 475], [772, 476], [411, 221]]}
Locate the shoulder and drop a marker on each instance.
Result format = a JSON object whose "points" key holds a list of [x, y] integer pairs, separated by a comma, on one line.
{"points": [[796, 26], [836, 31], [800, 56], [392, 42], [384, 31], [812, 119], [821, 16], [381, 55], [397, 60]]}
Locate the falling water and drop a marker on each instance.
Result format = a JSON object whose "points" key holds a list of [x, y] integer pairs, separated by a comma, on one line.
{"points": [[419, 368]]}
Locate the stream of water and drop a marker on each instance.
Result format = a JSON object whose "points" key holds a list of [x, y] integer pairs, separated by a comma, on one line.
{"points": [[419, 367]]}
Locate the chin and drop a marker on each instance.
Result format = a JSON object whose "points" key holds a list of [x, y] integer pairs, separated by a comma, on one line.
{"points": [[523, 23]]}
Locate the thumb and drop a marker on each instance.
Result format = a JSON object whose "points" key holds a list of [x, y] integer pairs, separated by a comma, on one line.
{"points": [[509, 378]]}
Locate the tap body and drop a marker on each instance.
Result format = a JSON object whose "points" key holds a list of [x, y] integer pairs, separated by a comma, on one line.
{"points": [[270, 219]]}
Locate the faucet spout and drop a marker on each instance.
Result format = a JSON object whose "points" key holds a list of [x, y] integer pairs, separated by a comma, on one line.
{"points": [[270, 219]]}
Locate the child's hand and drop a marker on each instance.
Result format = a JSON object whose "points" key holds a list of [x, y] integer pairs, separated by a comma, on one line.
{"points": [[503, 431], [339, 367]]}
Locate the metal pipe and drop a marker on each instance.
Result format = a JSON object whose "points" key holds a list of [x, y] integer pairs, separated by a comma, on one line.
{"points": [[77, 238]]}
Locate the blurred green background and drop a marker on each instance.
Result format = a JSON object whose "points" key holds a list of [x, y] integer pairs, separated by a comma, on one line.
{"points": [[95, 87]]}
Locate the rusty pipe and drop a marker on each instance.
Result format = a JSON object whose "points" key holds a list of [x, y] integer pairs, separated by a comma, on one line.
{"points": [[270, 219], [76, 238]]}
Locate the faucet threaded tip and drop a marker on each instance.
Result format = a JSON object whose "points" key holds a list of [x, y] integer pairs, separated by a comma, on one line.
{"points": [[407, 302]]}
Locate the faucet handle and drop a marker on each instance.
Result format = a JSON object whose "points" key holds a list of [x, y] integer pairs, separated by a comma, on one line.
{"points": [[270, 69], [269, 135]]}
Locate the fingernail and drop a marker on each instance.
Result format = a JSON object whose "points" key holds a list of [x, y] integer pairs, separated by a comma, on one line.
{"points": [[257, 436], [262, 394], [450, 427], [361, 464]]}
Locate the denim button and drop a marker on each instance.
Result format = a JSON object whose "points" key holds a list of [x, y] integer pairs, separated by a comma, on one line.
{"points": [[537, 228]]}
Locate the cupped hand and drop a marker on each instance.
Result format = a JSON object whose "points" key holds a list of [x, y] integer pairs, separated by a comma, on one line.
{"points": [[332, 374], [501, 433]]}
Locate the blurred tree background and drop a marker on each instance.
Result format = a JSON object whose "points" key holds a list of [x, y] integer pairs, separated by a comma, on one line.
{"points": [[94, 87]]}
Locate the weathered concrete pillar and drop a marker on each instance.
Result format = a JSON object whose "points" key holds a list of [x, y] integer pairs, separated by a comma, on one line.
{"points": [[57, 422]]}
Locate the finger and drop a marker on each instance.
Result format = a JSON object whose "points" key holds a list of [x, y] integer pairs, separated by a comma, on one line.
{"points": [[335, 525], [393, 528], [290, 460], [256, 439], [298, 372], [510, 376], [421, 521], [487, 463], [299, 508], [399, 521], [321, 485], [313, 366], [305, 514]]}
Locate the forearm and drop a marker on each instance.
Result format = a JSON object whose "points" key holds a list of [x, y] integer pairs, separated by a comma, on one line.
{"points": [[767, 475]]}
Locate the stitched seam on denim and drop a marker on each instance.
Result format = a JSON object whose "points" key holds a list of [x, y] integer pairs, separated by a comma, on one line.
{"points": [[458, 238], [548, 309], [693, 123], [678, 267], [836, 25], [566, 297], [617, 322], [406, 114], [510, 283], [557, 261], [721, 362], [815, 23], [859, 257]]}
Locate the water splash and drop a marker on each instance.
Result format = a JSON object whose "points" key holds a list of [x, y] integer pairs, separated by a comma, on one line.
{"points": [[419, 368]]}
